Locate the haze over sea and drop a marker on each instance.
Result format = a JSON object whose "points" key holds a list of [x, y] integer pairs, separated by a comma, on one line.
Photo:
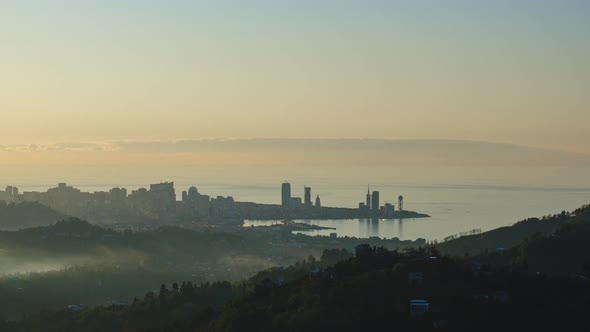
{"points": [[495, 189]]}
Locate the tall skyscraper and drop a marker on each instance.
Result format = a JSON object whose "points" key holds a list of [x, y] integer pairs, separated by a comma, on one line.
{"points": [[318, 203], [375, 202], [286, 194], [163, 199], [118, 197], [368, 202], [308, 196]]}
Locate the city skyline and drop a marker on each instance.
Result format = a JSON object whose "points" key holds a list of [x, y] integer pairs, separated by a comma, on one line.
{"points": [[159, 205], [164, 191]]}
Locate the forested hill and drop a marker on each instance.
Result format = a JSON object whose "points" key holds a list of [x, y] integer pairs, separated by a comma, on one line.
{"points": [[371, 291], [541, 283], [512, 236], [27, 214]]}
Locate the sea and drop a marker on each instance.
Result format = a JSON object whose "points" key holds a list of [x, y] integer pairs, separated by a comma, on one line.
{"points": [[457, 199]]}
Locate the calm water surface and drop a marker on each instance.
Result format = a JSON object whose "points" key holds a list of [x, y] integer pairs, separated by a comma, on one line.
{"points": [[454, 210], [516, 193]]}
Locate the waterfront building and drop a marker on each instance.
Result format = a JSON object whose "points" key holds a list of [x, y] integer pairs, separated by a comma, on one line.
{"points": [[388, 210], [286, 194], [375, 201], [307, 196], [222, 207], [368, 201], [318, 203], [296, 202]]}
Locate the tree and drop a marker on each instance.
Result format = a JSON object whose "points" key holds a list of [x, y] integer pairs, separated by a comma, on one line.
{"points": [[331, 257], [162, 295], [149, 296]]}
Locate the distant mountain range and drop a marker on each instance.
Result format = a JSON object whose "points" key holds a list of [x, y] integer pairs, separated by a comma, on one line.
{"points": [[325, 151]]}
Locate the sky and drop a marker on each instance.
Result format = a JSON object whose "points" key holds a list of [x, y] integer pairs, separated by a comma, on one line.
{"points": [[103, 71]]}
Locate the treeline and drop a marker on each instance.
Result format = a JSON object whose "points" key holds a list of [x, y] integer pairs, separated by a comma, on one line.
{"points": [[372, 292], [368, 292], [541, 283], [171, 305], [181, 306], [90, 265], [28, 294], [566, 251], [456, 236], [510, 237]]}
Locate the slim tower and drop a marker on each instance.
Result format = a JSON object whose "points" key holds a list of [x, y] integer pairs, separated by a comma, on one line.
{"points": [[308, 196], [368, 202], [400, 203]]}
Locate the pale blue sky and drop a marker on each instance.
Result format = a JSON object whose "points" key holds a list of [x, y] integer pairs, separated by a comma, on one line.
{"points": [[501, 71]]}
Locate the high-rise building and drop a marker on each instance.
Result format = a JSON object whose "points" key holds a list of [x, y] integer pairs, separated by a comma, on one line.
{"points": [[193, 193], [307, 196], [286, 194], [318, 203], [375, 202], [388, 210], [118, 197], [296, 202], [164, 191], [163, 199], [197, 204], [368, 201]]}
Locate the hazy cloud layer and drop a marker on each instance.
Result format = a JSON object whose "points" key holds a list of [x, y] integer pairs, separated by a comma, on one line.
{"points": [[61, 147], [308, 151]]}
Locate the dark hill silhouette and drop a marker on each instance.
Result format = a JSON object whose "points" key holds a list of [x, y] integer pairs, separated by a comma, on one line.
{"points": [[539, 284], [371, 291], [509, 237], [24, 215]]}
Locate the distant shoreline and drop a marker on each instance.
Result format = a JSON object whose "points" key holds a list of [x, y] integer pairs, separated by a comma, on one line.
{"points": [[266, 212]]}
